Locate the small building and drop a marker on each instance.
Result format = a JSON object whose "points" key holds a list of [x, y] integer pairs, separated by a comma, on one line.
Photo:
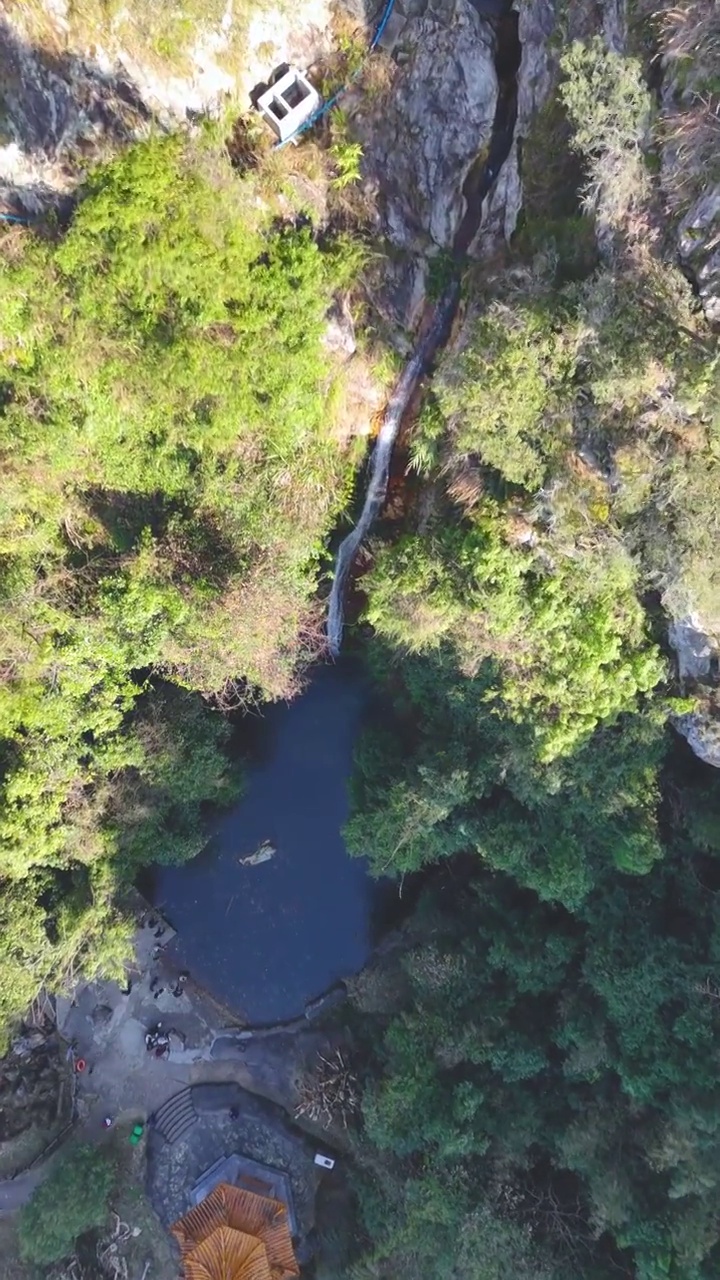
{"points": [[235, 1234], [288, 103]]}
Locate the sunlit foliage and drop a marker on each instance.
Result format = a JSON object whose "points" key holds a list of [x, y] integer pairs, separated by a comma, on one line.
{"points": [[167, 484]]}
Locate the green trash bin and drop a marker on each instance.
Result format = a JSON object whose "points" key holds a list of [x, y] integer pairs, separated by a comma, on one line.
{"points": [[137, 1134]]}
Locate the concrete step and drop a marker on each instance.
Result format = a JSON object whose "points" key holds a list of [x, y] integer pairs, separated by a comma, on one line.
{"points": [[176, 1116]]}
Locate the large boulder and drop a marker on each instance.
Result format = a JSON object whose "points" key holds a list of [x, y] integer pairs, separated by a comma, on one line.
{"points": [[696, 646], [702, 730], [436, 122], [699, 245]]}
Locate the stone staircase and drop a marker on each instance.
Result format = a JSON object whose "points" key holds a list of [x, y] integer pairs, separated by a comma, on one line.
{"points": [[176, 1116]]}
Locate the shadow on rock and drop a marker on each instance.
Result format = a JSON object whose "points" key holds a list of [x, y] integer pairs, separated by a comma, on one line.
{"points": [[58, 112]]}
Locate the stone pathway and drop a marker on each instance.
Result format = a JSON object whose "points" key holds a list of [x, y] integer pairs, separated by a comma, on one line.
{"points": [[107, 1028], [212, 1121]]}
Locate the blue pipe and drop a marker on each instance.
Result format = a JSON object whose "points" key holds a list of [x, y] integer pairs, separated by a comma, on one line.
{"points": [[13, 217], [327, 106], [383, 23]]}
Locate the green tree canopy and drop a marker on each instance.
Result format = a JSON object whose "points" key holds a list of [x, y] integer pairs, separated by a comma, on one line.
{"points": [[169, 474], [72, 1200]]}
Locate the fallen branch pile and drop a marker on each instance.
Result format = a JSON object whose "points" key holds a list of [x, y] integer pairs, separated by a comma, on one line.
{"points": [[111, 1263], [330, 1094]]}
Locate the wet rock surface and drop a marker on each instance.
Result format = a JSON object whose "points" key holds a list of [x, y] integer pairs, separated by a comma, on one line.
{"points": [[437, 120], [534, 82]]}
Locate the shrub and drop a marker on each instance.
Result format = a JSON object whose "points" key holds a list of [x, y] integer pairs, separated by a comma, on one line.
{"points": [[609, 108], [72, 1200]]}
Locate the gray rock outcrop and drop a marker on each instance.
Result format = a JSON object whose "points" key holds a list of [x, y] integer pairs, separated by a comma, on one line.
{"points": [[696, 642], [702, 730], [56, 110], [70, 93], [690, 155], [437, 121], [695, 646], [699, 245], [535, 78]]}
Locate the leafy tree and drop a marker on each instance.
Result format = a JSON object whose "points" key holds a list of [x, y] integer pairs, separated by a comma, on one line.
{"points": [[567, 639], [168, 482], [72, 1200], [508, 394], [608, 105]]}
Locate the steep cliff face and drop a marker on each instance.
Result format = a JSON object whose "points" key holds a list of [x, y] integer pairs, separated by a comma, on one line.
{"points": [[696, 641], [690, 182], [437, 120], [701, 728], [464, 71], [69, 92], [533, 82], [690, 154]]}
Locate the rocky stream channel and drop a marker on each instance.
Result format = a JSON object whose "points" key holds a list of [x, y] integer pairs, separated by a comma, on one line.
{"points": [[267, 938], [437, 319]]}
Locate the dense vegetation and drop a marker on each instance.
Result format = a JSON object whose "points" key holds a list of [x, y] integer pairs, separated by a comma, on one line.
{"points": [[540, 1059], [71, 1201], [541, 1090], [169, 474]]}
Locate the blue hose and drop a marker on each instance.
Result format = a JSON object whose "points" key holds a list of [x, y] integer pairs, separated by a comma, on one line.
{"points": [[328, 106], [382, 24], [13, 217]]}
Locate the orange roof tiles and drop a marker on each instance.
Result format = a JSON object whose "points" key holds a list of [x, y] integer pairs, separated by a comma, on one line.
{"points": [[234, 1234]]}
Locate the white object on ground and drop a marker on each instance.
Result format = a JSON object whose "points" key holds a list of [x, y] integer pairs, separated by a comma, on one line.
{"points": [[324, 1161], [288, 103], [264, 853]]}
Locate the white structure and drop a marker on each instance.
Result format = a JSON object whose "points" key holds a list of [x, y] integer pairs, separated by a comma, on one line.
{"points": [[324, 1161], [289, 103]]}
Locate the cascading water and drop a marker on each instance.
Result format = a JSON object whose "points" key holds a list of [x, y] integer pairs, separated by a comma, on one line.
{"points": [[435, 335], [380, 460]]}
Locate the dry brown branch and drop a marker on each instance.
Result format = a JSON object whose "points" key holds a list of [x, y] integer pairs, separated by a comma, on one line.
{"points": [[707, 988], [691, 26], [694, 136], [563, 1222], [110, 1260], [331, 1094]]}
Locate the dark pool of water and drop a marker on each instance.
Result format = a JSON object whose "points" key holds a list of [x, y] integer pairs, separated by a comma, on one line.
{"points": [[268, 938]]}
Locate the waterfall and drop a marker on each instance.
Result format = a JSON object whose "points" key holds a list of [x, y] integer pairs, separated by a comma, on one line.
{"points": [[381, 455], [475, 190]]}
